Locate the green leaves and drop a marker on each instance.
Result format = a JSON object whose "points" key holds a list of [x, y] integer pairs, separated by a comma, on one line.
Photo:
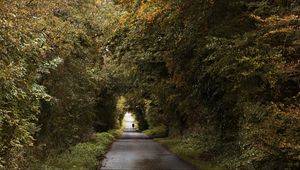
{"points": [[218, 69], [50, 69]]}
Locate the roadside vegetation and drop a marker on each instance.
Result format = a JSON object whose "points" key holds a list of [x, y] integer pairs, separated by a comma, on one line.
{"points": [[189, 150], [157, 132], [82, 156]]}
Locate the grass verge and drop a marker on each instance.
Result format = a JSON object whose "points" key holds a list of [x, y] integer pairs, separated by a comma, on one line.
{"points": [[157, 132], [189, 152], [83, 156]]}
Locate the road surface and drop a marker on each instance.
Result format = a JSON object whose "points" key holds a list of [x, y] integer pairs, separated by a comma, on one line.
{"points": [[135, 151]]}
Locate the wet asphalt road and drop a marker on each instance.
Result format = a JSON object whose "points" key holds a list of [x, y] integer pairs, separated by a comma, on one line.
{"points": [[135, 151]]}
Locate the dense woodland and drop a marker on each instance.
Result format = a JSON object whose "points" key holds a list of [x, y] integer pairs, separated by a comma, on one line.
{"points": [[223, 75]]}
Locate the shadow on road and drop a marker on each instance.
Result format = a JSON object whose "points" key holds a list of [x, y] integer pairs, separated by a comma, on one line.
{"points": [[130, 133], [136, 151]]}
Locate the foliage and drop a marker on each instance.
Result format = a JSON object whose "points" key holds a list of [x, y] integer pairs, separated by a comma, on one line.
{"points": [[188, 150], [157, 132], [218, 71], [226, 69], [51, 76], [83, 155]]}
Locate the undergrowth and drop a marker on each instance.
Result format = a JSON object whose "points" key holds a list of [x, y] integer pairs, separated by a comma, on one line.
{"points": [[82, 156], [189, 149], [157, 132]]}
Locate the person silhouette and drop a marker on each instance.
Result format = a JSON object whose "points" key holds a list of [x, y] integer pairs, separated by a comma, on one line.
{"points": [[132, 125]]}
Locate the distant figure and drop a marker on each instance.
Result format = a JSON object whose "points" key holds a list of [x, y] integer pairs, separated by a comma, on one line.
{"points": [[132, 125]]}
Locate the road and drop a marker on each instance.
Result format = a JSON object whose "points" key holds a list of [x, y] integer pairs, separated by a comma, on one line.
{"points": [[135, 151]]}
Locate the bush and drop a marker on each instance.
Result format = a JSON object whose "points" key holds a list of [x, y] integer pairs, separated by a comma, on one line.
{"points": [[83, 155], [190, 149]]}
